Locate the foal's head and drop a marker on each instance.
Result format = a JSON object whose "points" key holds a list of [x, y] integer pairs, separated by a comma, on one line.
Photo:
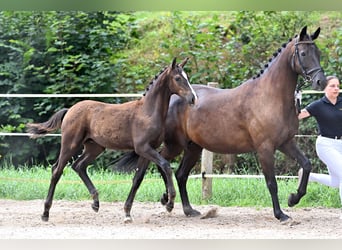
{"points": [[178, 81], [306, 59]]}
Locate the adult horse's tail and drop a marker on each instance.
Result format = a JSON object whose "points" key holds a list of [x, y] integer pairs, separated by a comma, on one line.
{"points": [[41, 129], [126, 163]]}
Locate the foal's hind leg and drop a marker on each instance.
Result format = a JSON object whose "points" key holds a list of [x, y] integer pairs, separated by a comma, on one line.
{"points": [[138, 177], [90, 152], [57, 170], [291, 149]]}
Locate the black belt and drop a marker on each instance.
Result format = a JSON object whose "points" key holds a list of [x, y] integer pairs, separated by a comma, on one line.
{"points": [[336, 137]]}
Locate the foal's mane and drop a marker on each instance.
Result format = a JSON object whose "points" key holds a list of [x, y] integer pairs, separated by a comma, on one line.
{"points": [[275, 54], [155, 79]]}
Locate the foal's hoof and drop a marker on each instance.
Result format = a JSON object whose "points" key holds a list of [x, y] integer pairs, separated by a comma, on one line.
{"points": [[95, 207], [292, 200], [128, 219], [45, 217], [169, 207]]}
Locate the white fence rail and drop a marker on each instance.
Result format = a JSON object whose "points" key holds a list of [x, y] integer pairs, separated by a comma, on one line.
{"points": [[60, 96], [66, 95]]}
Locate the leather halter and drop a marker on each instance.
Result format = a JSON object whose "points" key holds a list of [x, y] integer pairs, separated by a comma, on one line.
{"points": [[307, 75]]}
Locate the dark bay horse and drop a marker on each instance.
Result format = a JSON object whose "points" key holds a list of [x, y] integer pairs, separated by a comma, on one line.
{"points": [[258, 116], [137, 125]]}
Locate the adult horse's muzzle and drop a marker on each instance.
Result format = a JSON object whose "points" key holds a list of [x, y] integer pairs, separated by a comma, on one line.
{"points": [[319, 80]]}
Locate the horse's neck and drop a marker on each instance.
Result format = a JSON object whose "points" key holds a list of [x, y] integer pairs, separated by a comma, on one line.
{"points": [[280, 76], [156, 100]]}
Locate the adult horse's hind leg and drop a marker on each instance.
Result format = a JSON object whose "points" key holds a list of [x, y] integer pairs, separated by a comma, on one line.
{"points": [[89, 154], [291, 149], [266, 159]]}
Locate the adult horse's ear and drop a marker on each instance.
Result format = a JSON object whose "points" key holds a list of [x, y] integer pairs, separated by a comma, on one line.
{"points": [[173, 65], [302, 33], [184, 62], [315, 35]]}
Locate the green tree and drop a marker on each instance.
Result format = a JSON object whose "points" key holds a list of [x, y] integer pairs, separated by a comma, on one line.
{"points": [[54, 52]]}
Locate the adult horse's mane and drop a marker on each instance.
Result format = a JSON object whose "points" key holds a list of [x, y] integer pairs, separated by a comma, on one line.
{"points": [[270, 61], [275, 55]]}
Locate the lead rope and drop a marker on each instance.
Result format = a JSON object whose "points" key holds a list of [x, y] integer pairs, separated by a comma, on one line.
{"points": [[298, 99], [298, 95]]}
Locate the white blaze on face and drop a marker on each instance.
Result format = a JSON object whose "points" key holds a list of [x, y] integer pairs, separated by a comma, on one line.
{"points": [[192, 90]]}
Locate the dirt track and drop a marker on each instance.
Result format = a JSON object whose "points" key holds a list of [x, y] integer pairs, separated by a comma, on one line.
{"points": [[76, 220]]}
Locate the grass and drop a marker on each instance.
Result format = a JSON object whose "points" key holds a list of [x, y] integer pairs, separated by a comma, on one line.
{"points": [[33, 183]]}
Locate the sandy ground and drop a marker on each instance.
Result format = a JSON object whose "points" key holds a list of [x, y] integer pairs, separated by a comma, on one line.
{"points": [[76, 220]]}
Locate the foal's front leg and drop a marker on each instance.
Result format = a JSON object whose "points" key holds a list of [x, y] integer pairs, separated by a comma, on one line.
{"points": [[191, 155], [151, 154]]}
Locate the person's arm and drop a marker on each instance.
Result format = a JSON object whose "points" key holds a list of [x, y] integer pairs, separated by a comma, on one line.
{"points": [[303, 114]]}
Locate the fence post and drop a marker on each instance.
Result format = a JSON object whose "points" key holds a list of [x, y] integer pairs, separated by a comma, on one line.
{"points": [[207, 165]]}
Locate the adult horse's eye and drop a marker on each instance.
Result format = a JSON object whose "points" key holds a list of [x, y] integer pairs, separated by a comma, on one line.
{"points": [[178, 78], [302, 53]]}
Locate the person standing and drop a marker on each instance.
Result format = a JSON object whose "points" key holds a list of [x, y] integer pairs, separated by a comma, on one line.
{"points": [[328, 114]]}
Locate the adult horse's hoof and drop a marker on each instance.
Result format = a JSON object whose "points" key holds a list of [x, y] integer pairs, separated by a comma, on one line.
{"points": [[284, 219], [95, 207], [191, 212], [292, 200], [164, 199], [45, 217]]}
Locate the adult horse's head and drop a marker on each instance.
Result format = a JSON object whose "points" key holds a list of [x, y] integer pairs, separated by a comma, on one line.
{"points": [[179, 83], [306, 59]]}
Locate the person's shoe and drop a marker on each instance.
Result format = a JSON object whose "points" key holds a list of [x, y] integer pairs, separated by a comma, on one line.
{"points": [[300, 175]]}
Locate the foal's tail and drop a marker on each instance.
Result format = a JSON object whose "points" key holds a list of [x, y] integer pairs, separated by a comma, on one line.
{"points": [[126, 163], [41, 129]]}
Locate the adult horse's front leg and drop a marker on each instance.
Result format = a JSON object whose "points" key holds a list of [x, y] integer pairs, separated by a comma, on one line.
{"points": [[291, 149], [266, 159], [190, 157]]}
